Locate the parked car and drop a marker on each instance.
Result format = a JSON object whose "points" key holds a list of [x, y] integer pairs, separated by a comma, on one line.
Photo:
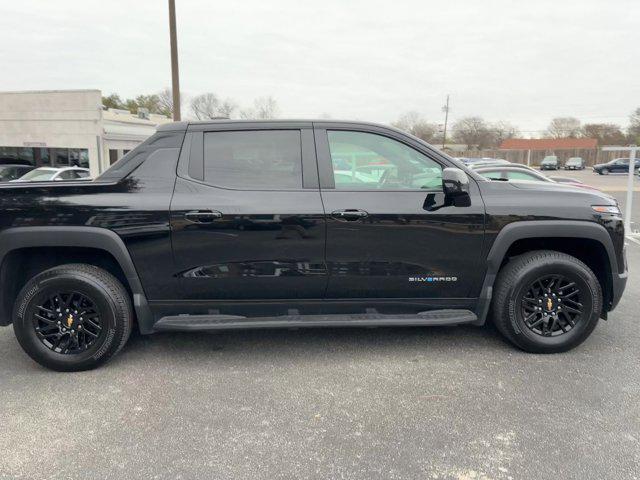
{"points": [[480, 160], [522, 172], [574, 163], [503, 164], [229, 224], [47, 174], [617, 165], [11, 172], [569, 180], [509, 172], [550, 162]]}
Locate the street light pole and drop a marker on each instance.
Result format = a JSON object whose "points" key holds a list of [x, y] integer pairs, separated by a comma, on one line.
{"points": [[632, 167], [633, 154], [175, 75]]}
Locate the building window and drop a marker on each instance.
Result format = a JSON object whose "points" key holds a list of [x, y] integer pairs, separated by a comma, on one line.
{"points": [[42, 157], [45, 157], [113, 156], [84, 158]]}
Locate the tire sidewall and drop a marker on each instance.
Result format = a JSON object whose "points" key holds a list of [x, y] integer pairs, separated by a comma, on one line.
{"points": [[36, 290], [575, 272]]}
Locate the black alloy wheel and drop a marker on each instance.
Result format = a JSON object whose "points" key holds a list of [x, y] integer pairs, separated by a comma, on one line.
{"points": [[551, 305], [67, 322], [72, 317], [546, 301]]}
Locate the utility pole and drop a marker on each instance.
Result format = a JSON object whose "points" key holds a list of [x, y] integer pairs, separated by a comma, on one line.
{"points": [[445, 109], [175, 75]]}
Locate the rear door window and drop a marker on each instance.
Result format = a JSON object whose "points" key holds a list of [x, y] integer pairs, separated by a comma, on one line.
{"points": [[253, 160]]}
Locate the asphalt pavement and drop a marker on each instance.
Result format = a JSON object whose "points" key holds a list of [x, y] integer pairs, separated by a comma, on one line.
{"points": [[389, 403]]}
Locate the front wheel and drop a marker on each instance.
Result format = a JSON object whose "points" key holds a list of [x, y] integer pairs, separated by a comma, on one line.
{"points": [[72, 317], [604, 171], [546, 301]]}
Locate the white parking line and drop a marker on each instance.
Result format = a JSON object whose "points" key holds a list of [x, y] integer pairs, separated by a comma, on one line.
{"points": [[632, 239]]}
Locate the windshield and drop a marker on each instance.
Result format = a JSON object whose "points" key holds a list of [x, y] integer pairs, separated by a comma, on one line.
{"points": [[38, 175]]}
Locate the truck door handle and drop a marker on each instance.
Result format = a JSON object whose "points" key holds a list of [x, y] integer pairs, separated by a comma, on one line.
{"points": [[202, 216], [350, 214]]}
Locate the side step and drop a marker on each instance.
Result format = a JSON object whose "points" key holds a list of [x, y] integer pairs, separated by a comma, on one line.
{"points": [[232, 322]]}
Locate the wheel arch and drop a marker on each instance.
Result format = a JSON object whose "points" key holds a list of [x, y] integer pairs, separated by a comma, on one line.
{"points": [[69, 244], [572, 237]]}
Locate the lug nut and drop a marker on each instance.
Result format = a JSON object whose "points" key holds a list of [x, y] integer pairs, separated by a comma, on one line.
{"points": [[79, 327], [58, 322]]}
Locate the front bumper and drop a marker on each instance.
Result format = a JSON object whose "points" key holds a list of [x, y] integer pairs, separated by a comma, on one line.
{"points": [[619, 281]]}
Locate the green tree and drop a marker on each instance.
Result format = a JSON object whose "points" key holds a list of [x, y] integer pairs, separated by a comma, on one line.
{"points": [[113, 101]]}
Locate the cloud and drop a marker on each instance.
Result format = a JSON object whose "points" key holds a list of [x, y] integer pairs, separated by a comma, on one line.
{"points": [[373, 60]]}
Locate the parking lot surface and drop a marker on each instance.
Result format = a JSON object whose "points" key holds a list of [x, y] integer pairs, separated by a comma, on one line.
{"points": [[389, 403], [614, 182]]}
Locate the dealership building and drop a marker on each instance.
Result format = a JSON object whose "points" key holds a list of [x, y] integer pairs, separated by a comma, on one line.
{"points": [[68, 127]]}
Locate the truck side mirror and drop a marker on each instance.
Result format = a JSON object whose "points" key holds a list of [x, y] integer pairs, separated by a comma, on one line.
{"points": [[455, 184]]}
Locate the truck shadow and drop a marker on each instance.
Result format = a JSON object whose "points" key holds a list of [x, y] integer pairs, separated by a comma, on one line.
{"points": [[307, 343]]}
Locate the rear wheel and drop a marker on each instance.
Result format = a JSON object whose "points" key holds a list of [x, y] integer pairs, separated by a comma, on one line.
{"points": [[72, 317], [546, 301]]}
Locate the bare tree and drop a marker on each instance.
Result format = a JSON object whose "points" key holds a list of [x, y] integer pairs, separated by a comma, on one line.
{"points": [[473, 132], [264, 108], [564, 127], [165, 101], [227, 107], [605, 133], [634, 126], [207, 106], [501, 131], [413, 123]]}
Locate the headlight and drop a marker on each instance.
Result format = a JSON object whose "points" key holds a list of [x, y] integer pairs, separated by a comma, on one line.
{"points": [[611, 209]]}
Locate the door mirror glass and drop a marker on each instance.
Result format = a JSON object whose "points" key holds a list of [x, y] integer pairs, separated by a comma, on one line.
{"points": [[455, 184]]}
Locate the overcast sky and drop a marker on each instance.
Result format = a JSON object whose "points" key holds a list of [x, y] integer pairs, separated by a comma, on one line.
{"points": [[518, 61]]}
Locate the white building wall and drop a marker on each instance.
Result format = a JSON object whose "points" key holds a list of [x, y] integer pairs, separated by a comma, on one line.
{"points": [[53, 119], [72, 119]]}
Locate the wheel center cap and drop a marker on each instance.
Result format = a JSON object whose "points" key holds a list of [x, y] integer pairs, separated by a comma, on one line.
{"points": [[549, 304], [69, 321]]}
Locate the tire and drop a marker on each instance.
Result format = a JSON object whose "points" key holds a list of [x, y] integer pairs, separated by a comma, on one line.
{"points": [[604, 171], [517, 280], [49, 324]]}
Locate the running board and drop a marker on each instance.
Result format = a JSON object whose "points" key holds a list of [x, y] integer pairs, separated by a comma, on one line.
{"points": [[233, 322]]}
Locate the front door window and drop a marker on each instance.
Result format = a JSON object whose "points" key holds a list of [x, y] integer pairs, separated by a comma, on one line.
{"points": [[366, 161]]}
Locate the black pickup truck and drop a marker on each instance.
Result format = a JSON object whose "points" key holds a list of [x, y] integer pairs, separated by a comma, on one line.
{"points": [[238, 224]]}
